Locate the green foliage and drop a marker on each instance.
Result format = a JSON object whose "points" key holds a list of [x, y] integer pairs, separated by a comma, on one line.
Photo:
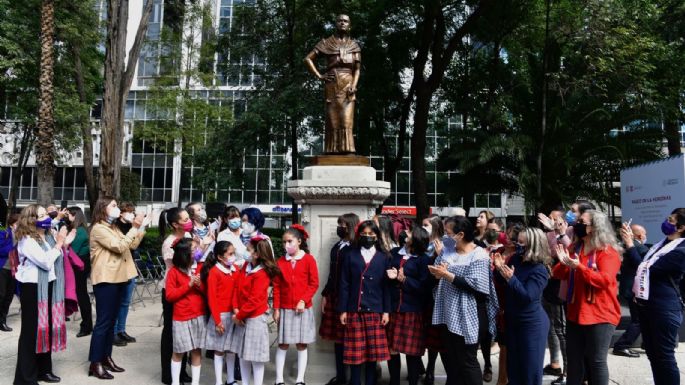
{"points": [[130, 186]]}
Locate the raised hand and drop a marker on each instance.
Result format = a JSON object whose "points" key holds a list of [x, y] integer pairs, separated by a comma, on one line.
{"points": [[546, 221]]}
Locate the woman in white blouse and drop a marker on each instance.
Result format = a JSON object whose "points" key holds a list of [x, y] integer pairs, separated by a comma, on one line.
{"points": [[38, 251]]}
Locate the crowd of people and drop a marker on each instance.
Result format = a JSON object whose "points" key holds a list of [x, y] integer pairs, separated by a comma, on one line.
{"points": [[441, 286]]}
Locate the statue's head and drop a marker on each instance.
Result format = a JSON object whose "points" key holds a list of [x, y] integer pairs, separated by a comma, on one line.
{"points": [[342, 23]]}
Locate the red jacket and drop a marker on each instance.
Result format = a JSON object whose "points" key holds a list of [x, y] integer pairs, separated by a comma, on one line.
{"points": [[220, 291], [250, 295], [188, 301], [595, 289], [298, 283]]}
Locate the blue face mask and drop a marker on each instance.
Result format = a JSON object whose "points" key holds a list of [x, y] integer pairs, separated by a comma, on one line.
{"points": [[520, 249], [45, 224], [234, 223], [668, 228], [197, 255], [570, 217]]}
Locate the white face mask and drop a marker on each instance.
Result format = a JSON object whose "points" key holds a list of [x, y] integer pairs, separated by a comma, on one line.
{"points": [[128, 217], [429, 229], [248, 227], [202, 215], [113, 214]]}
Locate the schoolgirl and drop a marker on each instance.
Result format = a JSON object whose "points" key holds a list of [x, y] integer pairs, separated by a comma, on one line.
{"points": [[250, 339], [218, 274], [406, 332], [184, 289], [330, 328], [293, 293], [364, 304]]}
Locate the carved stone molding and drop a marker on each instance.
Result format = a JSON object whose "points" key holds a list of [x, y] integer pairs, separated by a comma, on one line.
{"points": [[332, 194]]}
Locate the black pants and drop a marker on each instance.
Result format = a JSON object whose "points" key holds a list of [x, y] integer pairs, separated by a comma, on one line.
{"points": [[660, 335], [462, 365], [484, 336], [7, 283], [31, 365], [587, 348], [81, 278], [167, 344], [107, 303], [629, 337]]}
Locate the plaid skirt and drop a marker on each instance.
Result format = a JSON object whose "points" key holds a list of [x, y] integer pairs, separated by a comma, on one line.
{"points": [[214, 341], [365, 339], [188, 335], [294, 328], [434, 333], [331, 329], [406, 333], [251, 342]]}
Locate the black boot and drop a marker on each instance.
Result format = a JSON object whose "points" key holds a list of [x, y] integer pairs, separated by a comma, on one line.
{"points": [[394, 366]]}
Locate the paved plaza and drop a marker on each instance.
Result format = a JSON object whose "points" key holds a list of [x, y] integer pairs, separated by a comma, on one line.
{"points": [[142, 363]]}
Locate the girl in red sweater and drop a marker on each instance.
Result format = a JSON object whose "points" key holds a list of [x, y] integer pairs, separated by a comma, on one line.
{"points": [[293, 292], [250, 339], [218, 274], [185, 291]]}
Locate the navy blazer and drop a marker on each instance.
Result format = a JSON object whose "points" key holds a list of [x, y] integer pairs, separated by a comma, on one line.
{"points": [[631, 260], [362, 289], [335, 267], [663, 275], [410, 296]]}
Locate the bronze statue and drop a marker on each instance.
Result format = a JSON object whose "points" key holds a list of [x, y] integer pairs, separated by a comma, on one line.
{"points": [[343, 61]]}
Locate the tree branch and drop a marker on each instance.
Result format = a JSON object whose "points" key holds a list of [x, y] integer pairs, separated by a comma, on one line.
{"points": [[134, 53]]}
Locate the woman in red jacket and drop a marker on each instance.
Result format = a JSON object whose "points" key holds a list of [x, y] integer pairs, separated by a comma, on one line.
{"points": [[293, 292], [218, 274], [250, 339], [593, 311], [185, 291]]}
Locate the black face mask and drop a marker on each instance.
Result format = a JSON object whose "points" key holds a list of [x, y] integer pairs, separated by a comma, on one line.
{"points": [[366, 241], [341, 232], [403, 239], [580, 230]]}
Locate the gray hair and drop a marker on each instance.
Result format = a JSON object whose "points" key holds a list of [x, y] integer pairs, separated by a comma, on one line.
{"points": [[603, 234], [538, 247]]}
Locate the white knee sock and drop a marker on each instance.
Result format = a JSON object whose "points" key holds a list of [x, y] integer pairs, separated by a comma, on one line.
{"points": [[230, 367], [301, 365], [280, 363], [195, 370], [219, 369], [246, 371], [176, 372], [258, 368]]}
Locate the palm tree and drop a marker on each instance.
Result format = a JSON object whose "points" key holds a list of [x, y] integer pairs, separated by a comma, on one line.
{"points": [[45, 146]]}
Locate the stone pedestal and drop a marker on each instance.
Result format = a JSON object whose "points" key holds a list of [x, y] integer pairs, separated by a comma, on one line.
{"points": [[325, 193]]}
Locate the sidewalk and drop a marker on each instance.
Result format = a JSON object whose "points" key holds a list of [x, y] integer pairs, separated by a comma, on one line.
{"points": [[142, 361]]}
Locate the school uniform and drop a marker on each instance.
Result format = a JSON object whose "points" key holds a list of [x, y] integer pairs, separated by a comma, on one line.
{"points": [[250, 295], [220, 286], [364, 296], [406, 331], [330, 328], [434, 333], [299, 282], [188, 325]]}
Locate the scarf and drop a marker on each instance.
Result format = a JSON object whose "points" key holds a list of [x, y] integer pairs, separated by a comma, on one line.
{"points": [[641, 283], [44, 343]]}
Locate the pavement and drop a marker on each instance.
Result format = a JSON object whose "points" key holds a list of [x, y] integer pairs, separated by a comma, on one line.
{"points": [[142, 363]]}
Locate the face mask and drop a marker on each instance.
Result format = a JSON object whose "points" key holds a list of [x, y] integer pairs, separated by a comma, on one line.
{"points": [[188, 226], [248, 227], [128, 217], [341, 232], [197, 255], [248, 258], [230, 260], [520, 249], [45, 224], [570, 217], [290, 249], [402, 238], [52, 214], [113, 214], [580, 229], [202, 216], [429, 229], [366, 241], [234, 223], [668, 228]]}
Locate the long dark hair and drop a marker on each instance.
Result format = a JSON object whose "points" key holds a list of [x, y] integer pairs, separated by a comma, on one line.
{"points": [[299, 235], [182, 253], [79, 218], [167, 218], [387, 237], [100, 210], [419, 241], [679, 218], [350, 220], [264, 253], [220, 248]]}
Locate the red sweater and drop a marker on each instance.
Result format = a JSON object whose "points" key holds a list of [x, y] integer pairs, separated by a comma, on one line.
{"points": [[595, 290], [220, 292], [298, 283], [250, 295], [188, 301]]}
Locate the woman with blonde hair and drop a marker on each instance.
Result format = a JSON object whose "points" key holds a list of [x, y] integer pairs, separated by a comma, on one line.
{"points": [[41, 276], [526, 275], [593, 312]]}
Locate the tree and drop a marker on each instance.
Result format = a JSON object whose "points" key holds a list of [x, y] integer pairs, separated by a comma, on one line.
{"points": [[119, 69]]}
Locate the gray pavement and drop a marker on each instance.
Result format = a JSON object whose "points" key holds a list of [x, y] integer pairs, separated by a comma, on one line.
{"points": [[142, 362]]}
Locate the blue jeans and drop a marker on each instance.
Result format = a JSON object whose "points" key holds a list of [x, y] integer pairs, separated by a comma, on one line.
{"points": [[107, 300], [660, 336], [120, 322]]}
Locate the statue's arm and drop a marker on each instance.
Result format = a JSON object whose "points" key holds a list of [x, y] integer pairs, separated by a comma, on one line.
{"points": [[309, 62], [357, 71]]}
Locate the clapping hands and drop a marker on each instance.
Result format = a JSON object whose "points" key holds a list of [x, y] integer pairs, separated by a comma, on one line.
{"points": [[565, 258]]}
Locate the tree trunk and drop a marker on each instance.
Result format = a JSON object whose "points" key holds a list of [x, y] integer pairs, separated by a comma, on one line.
{"points": [[418, 152], [86, 136], [672, 134], [45, 145], [543, 112], [294, 216]]}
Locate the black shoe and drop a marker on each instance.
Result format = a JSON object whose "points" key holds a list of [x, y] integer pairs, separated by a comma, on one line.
{"points": [[626, 353], [185, 377], [127, 337], [5, 328], [118, 341], [49, 377], [559, 381], [83, 333], [429, 379], [550, 371]]}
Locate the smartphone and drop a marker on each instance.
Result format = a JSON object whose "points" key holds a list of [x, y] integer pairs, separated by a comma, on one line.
{"points": [[63, 204]]}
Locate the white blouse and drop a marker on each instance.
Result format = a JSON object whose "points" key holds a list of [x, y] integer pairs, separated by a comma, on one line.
{"points": [[33, 257]]}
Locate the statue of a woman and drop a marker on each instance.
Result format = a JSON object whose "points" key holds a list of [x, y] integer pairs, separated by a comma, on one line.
{"points": [[343, 61]]}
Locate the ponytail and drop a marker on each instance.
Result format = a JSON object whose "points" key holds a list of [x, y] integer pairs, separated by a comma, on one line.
{"points": [[167, 218]]}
